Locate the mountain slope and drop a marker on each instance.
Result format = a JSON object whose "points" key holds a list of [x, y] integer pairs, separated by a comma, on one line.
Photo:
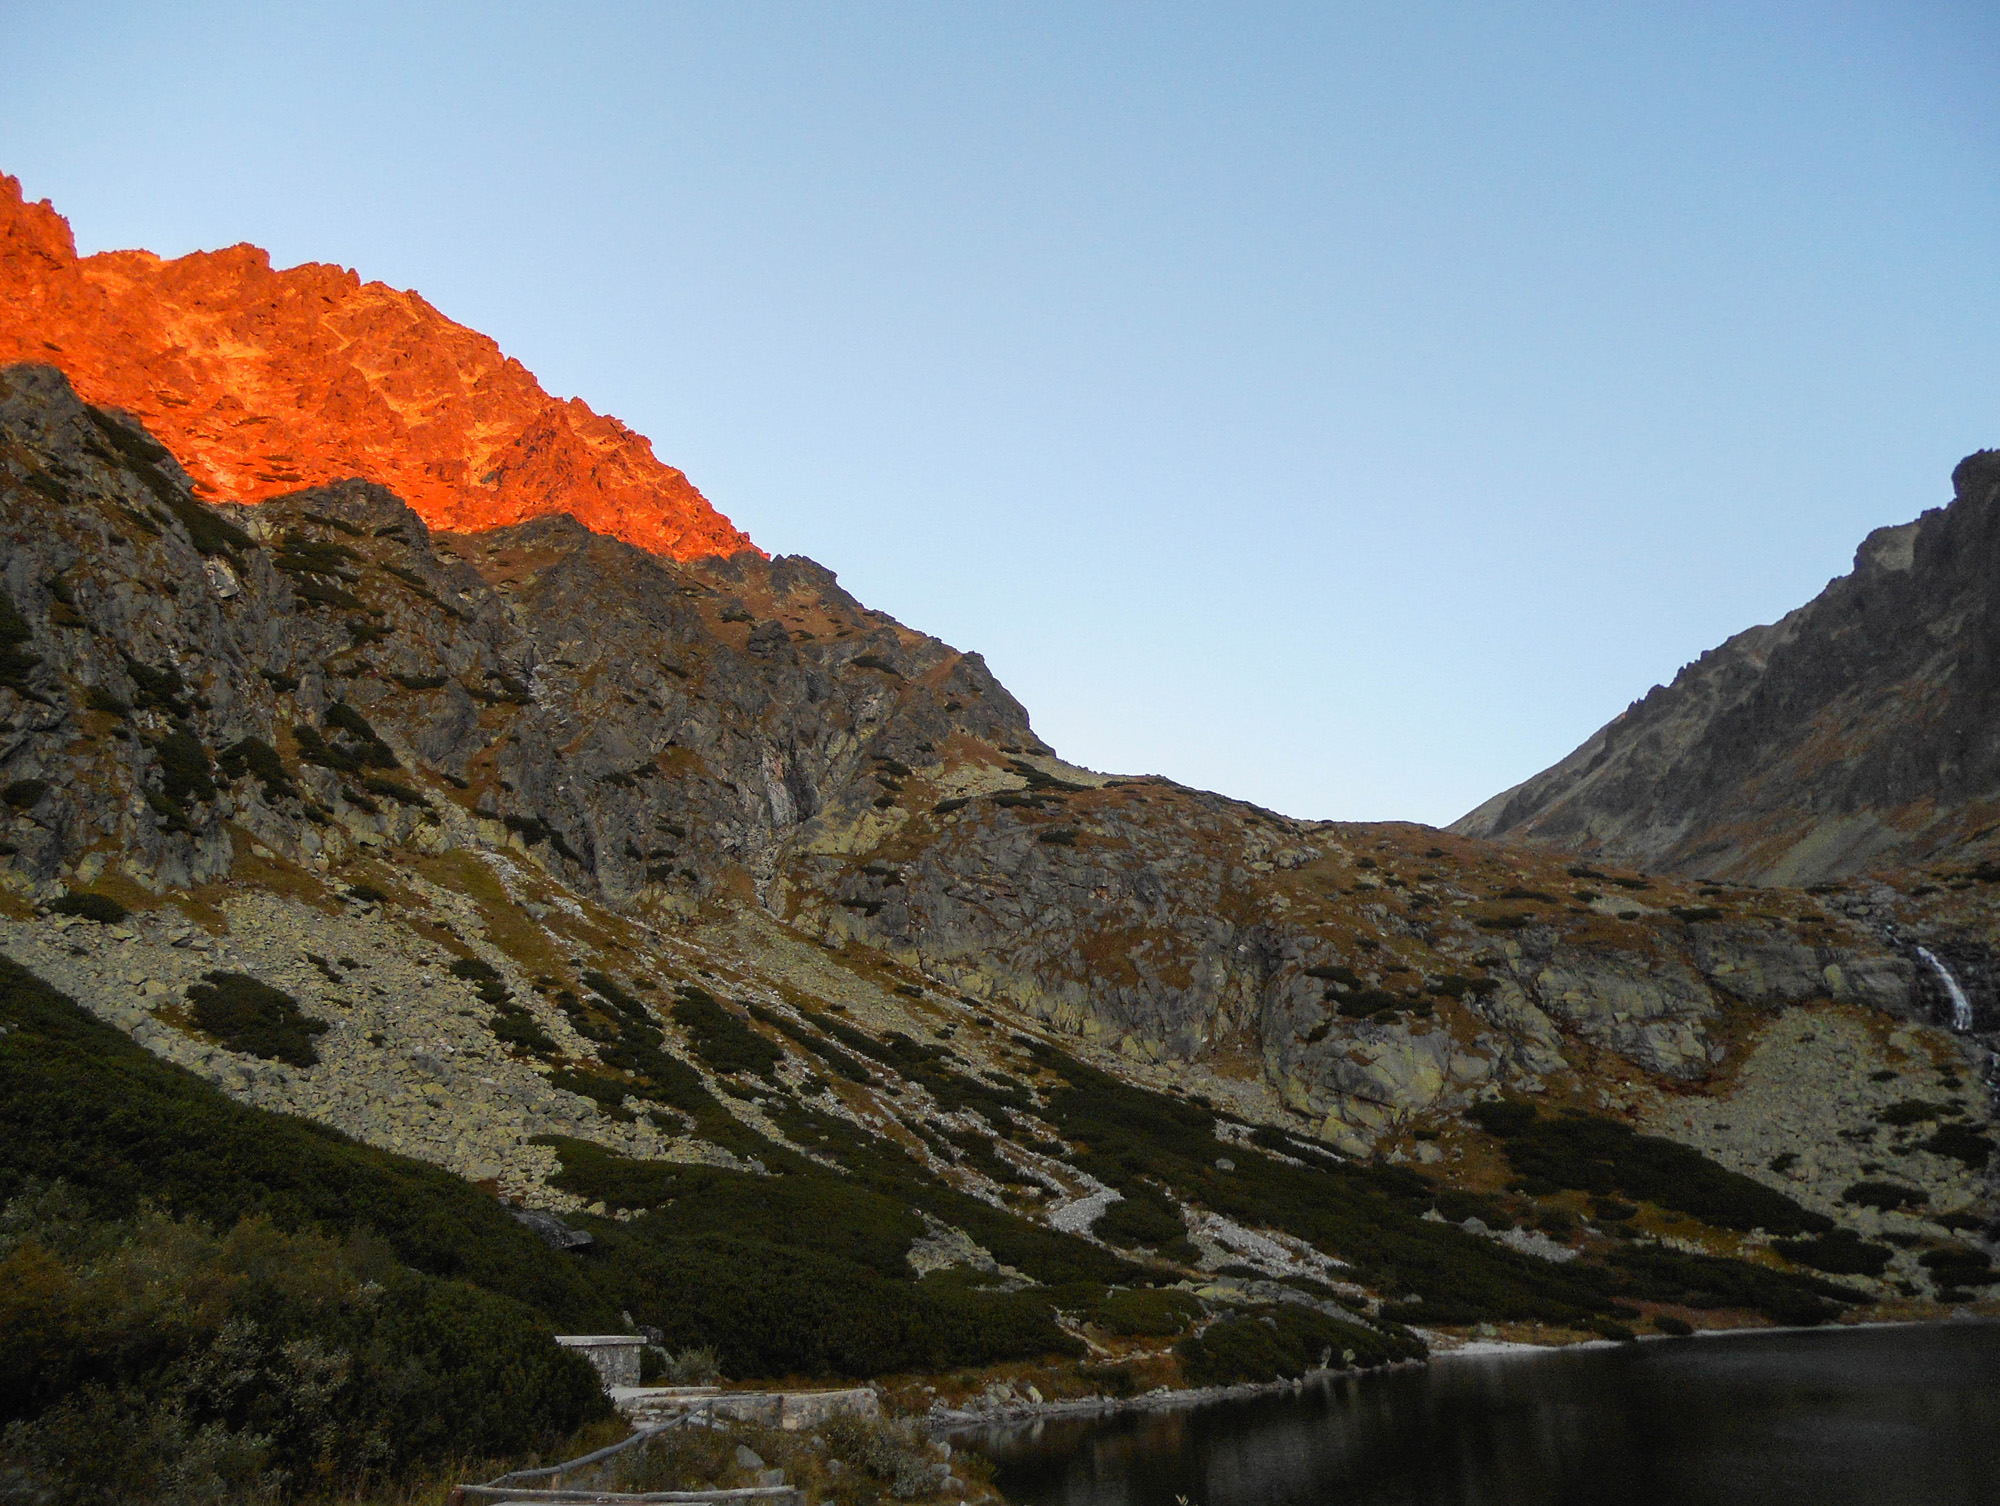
{"points": [[1860, 732], [264, 381], [761, 938], [544, 752]]}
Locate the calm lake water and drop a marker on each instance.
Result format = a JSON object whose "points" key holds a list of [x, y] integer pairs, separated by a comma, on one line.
{"points": [[1853, 1417]]}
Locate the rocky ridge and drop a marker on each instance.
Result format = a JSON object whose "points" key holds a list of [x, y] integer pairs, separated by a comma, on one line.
{"points": [[265, 381], [1854, 735]]}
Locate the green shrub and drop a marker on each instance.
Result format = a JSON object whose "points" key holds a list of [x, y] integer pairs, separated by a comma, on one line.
{"points": [[252, 1017], [842, 1062], [1960, 1264], [184, 767], [25, 794], [533, 831], [1143, 1217], [1839, 1252], [924, 1065], [1667, 1323], [1280, 1343], [1367, 1215], [483, 976], [344, 717], [1961, 1142], [1884, 1197], [267, 1355], [101, 908], [514, 1026], [355, 748], [1914, 1111], [15, 666], [1603, 1156], [1335, 973], [1656, 1273], [133, 1444], [699, 1366], [628, 1040], [1369, 1002], [396, 790], [300, 553], [1148, 1314], [1503, 1116], [842, 1462], [1109, 1380], [1452, 986], [720, 1038], [255, 757], [783, 1304]]}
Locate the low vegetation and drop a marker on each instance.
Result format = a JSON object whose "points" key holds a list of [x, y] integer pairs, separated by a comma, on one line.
{"points": [[1283, 1340], [247, 1303], [845, 1462], [1602, 1156], [101, 908], [153, 1358], [254, 1018], [1840, 1252], [719, 1038]]}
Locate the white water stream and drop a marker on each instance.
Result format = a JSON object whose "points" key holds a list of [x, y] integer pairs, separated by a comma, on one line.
{"points": [[1961, 1006]]}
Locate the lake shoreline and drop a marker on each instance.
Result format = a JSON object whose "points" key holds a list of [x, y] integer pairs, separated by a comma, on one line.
{"points": [[944, 1420], [1896, 1413]]}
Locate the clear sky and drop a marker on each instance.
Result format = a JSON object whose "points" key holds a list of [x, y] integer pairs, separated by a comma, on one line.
{"points": [[1347, 407]]}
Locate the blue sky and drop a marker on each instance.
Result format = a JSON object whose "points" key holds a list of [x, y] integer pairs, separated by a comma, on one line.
{"points": [[1344, 407]]}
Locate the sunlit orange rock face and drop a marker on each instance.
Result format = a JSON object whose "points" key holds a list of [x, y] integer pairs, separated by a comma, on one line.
{"points": [[263, 382]]}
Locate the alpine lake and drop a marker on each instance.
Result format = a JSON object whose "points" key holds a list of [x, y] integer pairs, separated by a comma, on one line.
{"points": [[1879, 1416]]}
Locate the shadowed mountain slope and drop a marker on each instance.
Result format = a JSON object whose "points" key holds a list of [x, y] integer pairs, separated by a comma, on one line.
{"points": [[1860, 732]]}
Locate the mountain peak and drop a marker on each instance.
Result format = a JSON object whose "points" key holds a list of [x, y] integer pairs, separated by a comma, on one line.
{"points": [[263, 382], [1854, 735]]}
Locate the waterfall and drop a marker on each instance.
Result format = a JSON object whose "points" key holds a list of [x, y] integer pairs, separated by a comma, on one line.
{"points": [[1961, 1006]]}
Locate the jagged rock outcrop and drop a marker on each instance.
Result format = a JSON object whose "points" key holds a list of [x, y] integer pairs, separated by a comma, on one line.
{"points": [[263, 382], [1861, 731], [558, 693]]}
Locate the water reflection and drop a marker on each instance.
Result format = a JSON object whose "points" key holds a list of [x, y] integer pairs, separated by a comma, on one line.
{"points": [[1876, 1416]]}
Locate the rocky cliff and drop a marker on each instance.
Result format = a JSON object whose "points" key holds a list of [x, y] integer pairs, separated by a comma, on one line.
{"points": [[262, 382], [1858, 733]]}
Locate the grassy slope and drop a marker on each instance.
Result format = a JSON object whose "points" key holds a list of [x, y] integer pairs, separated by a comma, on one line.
{"points": [[81, 1103]]}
